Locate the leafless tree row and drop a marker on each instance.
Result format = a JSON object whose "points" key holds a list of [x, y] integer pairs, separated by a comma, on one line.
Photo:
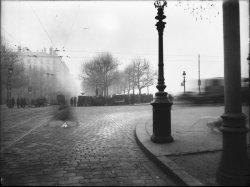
{"points": [[101, 73]]}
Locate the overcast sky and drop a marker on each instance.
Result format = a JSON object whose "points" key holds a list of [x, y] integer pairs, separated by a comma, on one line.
{"points": [[127, 30]]}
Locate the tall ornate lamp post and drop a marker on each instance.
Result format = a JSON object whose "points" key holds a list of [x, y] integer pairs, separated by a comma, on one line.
{"points": [[161, 104], [184, 81], [10, 71]]}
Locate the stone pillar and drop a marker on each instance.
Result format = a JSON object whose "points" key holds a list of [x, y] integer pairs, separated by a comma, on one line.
{"points": [[234, 165], [161, 104]]}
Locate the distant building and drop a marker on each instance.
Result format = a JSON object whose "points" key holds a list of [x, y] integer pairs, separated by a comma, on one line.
{"points": [[47, 76]]}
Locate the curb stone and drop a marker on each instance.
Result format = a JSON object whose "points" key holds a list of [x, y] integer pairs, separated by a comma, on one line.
{"points": [[171, 168]]}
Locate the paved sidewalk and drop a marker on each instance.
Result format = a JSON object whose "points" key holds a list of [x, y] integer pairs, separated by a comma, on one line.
{"points": [[194, 155]]}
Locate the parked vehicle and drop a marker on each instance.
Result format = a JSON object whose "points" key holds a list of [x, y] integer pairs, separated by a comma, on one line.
{"points": [[41, 101]]}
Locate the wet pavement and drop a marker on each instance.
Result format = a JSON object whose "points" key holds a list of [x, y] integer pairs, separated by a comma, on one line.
{"points": [[98, 147]]}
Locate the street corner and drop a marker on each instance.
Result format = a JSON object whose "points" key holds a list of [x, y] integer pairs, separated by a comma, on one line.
{"points": [[158, 152]]}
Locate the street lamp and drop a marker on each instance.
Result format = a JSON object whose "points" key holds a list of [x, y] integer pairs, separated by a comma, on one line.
{"points": [[10, 71], [184, 81], [161, 104]]}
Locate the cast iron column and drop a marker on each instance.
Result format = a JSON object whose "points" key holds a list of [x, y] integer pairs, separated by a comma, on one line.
{"points": [[161, 104], [234, 166]]}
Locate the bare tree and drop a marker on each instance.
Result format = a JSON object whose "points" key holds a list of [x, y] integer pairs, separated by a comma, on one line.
{"points": [[110, 66], [143, 74], [11, 60], [150, 76], [100, 72], [118, 83], [128, 73], [91, 75]]}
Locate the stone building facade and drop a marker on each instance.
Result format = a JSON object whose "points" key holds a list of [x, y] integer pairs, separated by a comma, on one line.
{"points": [[47, 76]]}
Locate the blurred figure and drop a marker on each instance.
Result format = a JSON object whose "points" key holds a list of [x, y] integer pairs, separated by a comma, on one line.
{"points": [[61, 99], [64, 112], [32, 102], [18, 102], [71, 101], [21, 102], [12, 102], [24, 102], [75, 101], [7, 103]]}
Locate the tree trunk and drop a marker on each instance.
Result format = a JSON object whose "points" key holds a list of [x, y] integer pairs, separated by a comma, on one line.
{"points": [[140, 95]]}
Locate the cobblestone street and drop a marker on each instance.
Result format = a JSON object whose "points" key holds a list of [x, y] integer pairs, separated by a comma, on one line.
{"points": [[97, 148]]}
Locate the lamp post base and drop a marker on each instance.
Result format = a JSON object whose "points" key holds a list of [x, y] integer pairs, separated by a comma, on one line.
{"points": [[234, 167], [157, 139], [227, 179], [161, 119]]}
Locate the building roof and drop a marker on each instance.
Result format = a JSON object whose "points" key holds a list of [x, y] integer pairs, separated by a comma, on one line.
{"points": [[37, 54]]}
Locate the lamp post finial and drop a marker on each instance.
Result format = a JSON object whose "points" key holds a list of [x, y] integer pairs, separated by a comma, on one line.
{"points": [[160, 3]]}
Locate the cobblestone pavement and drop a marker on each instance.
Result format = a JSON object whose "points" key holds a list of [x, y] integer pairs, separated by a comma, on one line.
{"points": [[97, 148], [17, 123]]}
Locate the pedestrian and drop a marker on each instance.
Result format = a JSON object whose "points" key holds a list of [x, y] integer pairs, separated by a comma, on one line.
{"points": [[24, 102], [32, 102], [74, 101], [9, 103], [71, 101], [21, 102], [12, 102], [18, 102]]}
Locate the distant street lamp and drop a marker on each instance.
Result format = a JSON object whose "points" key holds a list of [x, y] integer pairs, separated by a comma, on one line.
{"points": [[161, 103], [184, 81], [10, 71]]}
